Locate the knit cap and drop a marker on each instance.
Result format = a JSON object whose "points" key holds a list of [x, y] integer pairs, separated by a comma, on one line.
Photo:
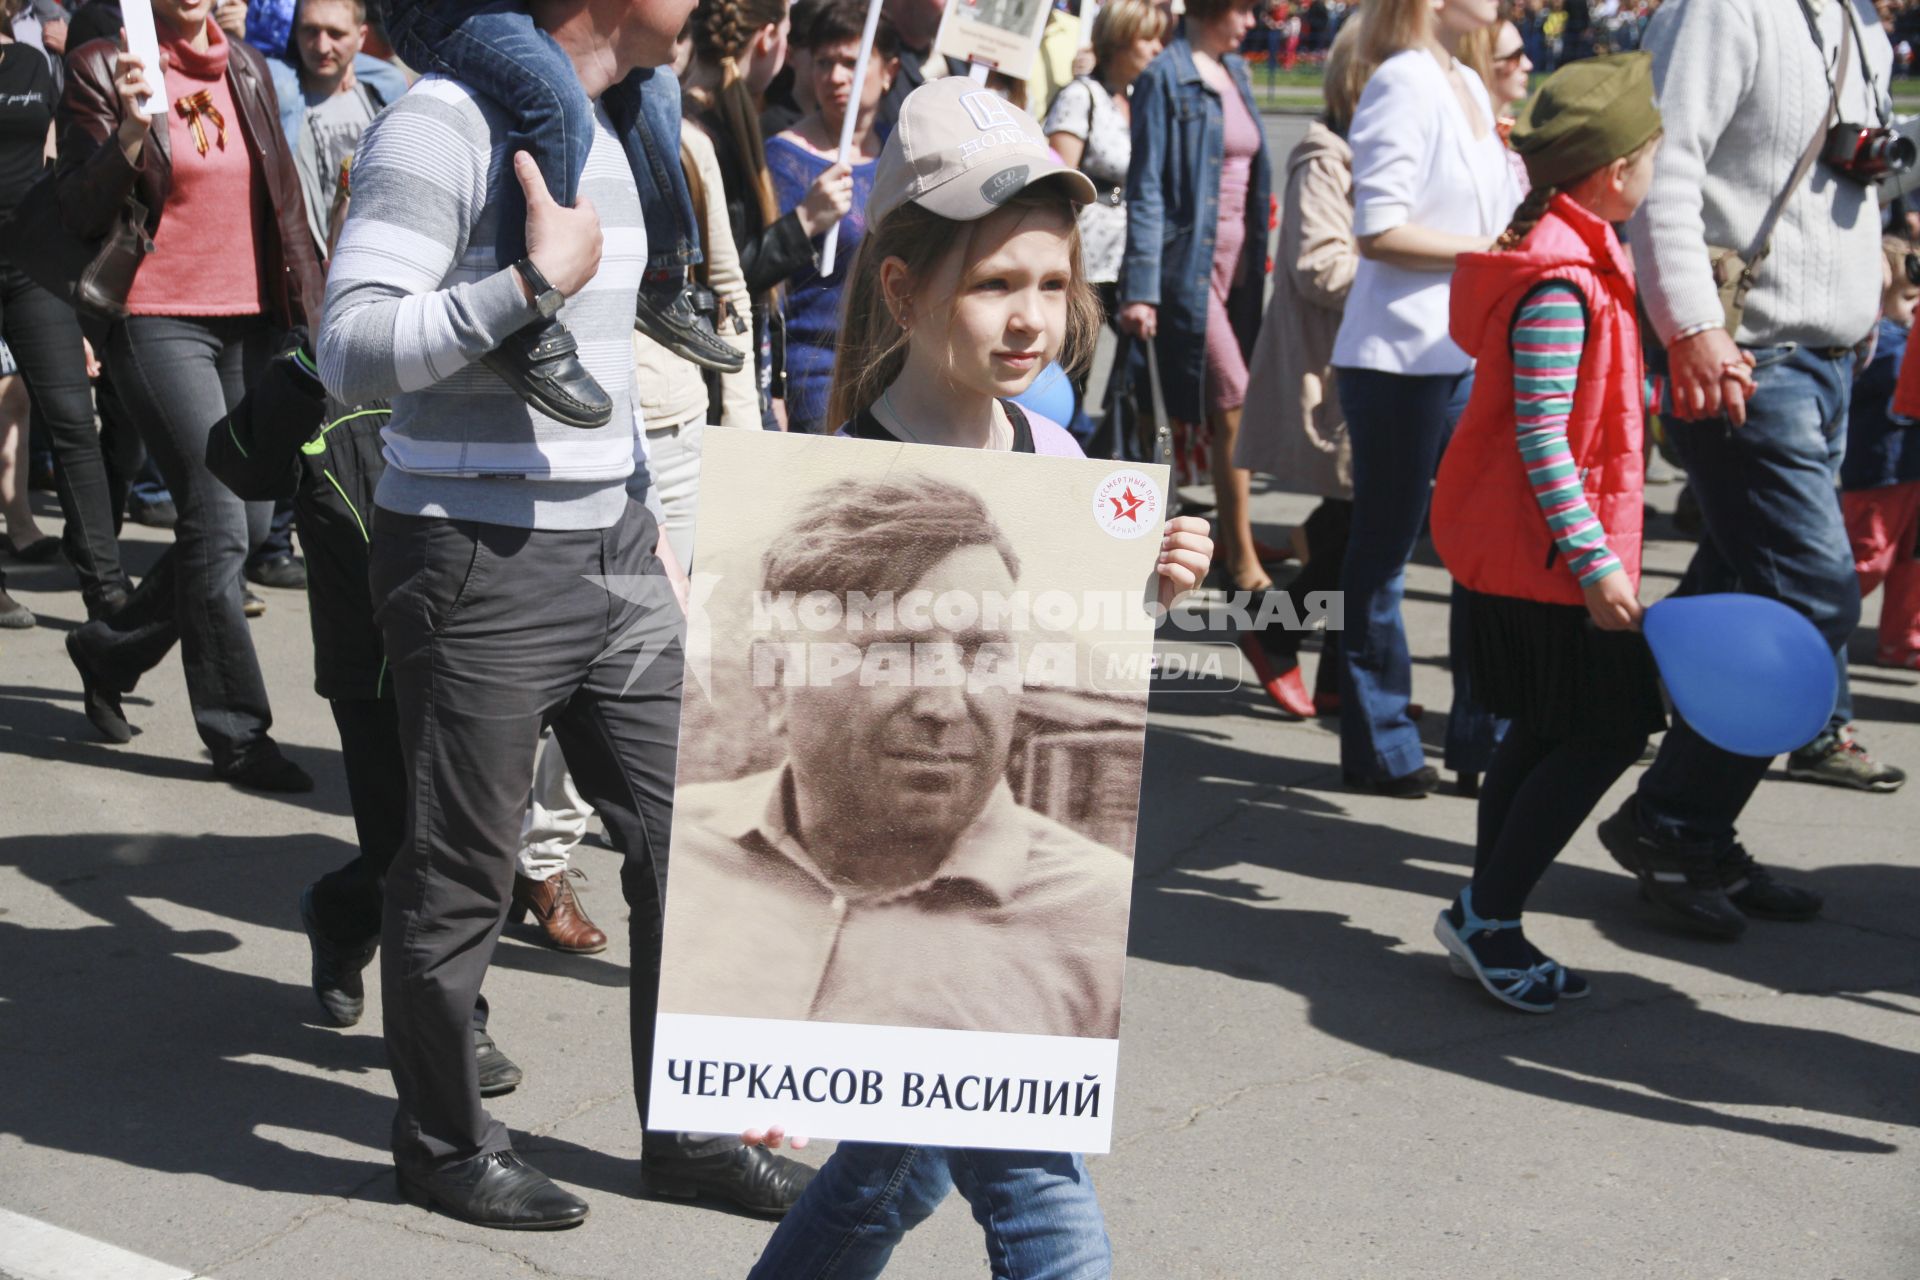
{"points": [[1587, 115]]}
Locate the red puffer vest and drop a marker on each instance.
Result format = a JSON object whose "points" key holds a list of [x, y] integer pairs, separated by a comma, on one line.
{"points": [[1486, 524]]}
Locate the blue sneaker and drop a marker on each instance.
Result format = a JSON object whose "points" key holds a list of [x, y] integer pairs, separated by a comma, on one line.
{"points": [[1531, 990]]}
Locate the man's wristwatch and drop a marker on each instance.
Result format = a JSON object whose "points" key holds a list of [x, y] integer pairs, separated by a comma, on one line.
{"points": [[546, 298]]}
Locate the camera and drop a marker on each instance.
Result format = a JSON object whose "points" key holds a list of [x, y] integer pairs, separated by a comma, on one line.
{"points": [[1867, 154]]}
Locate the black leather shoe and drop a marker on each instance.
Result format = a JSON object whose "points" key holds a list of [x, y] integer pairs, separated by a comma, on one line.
{"points": [[1408, 786], [498, 1073], [668, 316], [105, 599], [161, 514], [750, 1178], [284, 572], [542, 364], [495, 1190], [336, 968], [102, 704], [265, 769]]}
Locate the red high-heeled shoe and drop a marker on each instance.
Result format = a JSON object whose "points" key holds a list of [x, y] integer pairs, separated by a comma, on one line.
{"points": [[1288, 691]]}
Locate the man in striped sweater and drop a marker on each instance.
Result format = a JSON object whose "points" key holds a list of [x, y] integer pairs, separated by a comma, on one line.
{"points": [[492, 526]]}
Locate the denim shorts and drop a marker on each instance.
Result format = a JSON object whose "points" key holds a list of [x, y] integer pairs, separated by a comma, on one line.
{"points": [[7, 367]]}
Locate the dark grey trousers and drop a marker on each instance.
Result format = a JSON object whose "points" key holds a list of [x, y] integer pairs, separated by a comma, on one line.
{"points": [[493, 632]]}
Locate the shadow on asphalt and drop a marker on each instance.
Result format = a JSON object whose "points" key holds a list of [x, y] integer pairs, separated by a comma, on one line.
{"points": [[1677, 1062], [120, 1039]]}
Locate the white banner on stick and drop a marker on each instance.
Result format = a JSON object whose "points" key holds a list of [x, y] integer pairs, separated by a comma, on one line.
{"points": [[870, 1083], [829, 250], [143, 42]]}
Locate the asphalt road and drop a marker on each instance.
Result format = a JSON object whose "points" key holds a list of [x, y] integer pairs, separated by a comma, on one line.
{"points": [[1305, 1091]]}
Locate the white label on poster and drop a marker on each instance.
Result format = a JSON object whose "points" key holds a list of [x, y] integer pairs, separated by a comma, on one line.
{"points": [[872, 1083], [1127, 504], [1001, 34], [143, 42]]}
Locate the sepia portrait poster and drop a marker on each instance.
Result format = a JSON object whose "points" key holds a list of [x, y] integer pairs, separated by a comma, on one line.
{"points": [[909, 781], [1002, 34]]}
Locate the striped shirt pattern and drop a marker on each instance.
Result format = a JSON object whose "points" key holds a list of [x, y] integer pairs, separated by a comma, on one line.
{"points": [[1549, 332], [416, 294]]}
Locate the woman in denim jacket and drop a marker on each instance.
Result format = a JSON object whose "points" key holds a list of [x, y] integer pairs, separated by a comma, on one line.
{"points": [[1198, 211]]}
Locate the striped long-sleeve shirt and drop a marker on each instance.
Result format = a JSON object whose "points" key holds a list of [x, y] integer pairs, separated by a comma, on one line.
{"points": [[1549, 332], [416, 294]]}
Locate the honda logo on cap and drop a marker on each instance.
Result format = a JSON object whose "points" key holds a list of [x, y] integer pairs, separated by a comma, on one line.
{"points": [[1003, 185], [987, 109]]}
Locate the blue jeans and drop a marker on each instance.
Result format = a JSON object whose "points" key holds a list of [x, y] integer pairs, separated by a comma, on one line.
{"points": [[1399, 425], [1038, 1209], [500, 53], [1772, 527]]}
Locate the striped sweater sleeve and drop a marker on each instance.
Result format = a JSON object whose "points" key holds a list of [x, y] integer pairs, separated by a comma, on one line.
{"points": [[399, 316], [1549, 332]]}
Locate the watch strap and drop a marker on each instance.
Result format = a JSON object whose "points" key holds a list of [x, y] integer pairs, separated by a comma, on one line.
{"points": [[545, 297]]}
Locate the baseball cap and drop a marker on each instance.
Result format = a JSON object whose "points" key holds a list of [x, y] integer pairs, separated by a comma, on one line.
{"points": [[960, 150]]}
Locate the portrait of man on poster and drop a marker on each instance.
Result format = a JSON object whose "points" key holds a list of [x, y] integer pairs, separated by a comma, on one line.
{"points": [[883, 872]]}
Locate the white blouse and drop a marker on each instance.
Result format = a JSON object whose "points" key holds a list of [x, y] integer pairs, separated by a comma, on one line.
{"points": [[1415, 160]]}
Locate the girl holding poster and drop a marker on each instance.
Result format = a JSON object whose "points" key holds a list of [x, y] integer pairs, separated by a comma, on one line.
{"points": [[968, 283]]}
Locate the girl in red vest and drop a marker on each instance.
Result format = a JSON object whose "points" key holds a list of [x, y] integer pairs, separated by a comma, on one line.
{"points": [[1537, 509]]}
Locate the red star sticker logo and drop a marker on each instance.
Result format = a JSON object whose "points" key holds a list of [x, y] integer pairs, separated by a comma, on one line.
{"points": [[1127, 506]]}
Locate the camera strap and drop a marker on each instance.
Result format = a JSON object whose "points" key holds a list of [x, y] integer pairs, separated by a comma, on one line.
{"points": [[1849, 29], [1760, 247]]}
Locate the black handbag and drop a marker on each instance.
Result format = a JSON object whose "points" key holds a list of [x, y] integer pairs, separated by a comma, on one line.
{"points": [[92, 276]]}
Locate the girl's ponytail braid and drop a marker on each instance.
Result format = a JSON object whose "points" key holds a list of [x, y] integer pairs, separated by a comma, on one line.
{"points": [[1526, 217], [721, 32]]}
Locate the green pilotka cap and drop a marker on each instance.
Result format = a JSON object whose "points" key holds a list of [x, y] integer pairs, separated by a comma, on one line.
{"points": [[1587, 115]]}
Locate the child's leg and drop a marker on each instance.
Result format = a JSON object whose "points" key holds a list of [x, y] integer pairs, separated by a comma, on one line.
{"points": [[1871, 535], [498, 51], [1541, 806], [858, 1207], [1900, 607], [1039, 1212], [645, 111]]}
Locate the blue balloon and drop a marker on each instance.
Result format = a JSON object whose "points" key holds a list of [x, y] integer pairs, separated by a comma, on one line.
{"points": [[1050, 396], [1749, 674]]}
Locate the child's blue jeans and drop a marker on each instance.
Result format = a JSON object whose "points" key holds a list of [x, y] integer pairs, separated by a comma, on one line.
{"points": [[496, 50], [1038, 1210]]}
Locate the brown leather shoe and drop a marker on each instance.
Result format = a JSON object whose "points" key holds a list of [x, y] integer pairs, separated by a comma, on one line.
{"points": [[563, 922]]}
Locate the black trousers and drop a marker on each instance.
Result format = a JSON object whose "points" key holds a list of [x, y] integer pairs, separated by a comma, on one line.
{"points": [[44, 335], [178, 377], [348, 901], [492, 633]]}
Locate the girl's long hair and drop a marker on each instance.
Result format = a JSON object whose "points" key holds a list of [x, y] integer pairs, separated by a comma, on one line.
{"points": [[722, 29], [873, 345]]}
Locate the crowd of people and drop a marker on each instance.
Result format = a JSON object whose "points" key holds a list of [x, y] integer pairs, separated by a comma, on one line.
{"points": [[455, 294]]}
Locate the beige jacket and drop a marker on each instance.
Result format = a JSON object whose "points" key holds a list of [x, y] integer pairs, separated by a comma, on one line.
{"points": [[1301, 441], [669, 391]]}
